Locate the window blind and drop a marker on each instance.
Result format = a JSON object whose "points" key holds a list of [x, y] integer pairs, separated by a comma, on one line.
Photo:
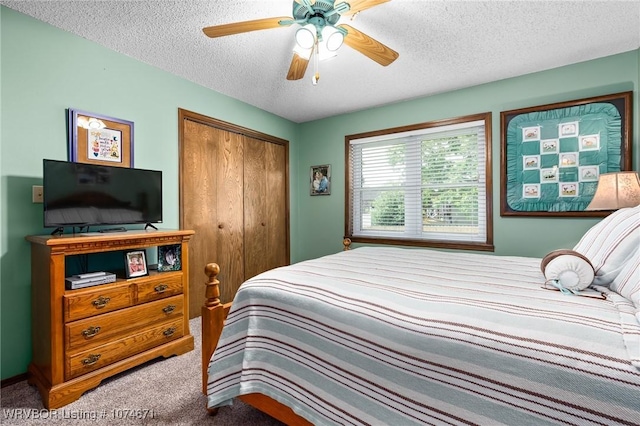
{"points": [[426, 184]]}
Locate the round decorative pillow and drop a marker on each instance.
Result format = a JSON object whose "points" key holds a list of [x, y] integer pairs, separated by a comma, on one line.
{"points": [[569, 269]]}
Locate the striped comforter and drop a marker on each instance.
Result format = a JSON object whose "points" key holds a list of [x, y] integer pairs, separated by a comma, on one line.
{"points": [[393, 336]]}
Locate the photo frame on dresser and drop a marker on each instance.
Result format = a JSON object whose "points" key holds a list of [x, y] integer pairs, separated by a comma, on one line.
{"points": [[135, 264], [552, 155], [169, 258]]}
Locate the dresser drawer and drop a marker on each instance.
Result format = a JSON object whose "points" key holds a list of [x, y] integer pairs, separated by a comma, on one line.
{"points": [[91, 332], [84, 303], [101, 356], [159, 286]]}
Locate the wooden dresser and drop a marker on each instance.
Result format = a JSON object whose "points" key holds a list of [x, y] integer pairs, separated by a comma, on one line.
{"points": [[83, 336]]}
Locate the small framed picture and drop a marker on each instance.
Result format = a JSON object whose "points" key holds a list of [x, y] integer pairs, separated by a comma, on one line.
{"points": [[531, 162], [549, 175], [590, 143], [135, 263], [569, 130], [531, 190], [569, 189], [169, 258], [569, 159], [589, 173], [320, 177], [549, 146], [531, 134]]}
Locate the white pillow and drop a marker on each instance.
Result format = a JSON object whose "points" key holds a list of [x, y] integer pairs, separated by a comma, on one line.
{"points": [[627, 282], [610, 243], [568, 268]]}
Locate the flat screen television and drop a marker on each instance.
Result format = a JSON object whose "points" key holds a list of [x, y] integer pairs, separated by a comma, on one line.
{"points": [[78, 194]]}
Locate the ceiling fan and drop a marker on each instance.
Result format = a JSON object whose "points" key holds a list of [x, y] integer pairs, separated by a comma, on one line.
{"points": [[318, 31]]}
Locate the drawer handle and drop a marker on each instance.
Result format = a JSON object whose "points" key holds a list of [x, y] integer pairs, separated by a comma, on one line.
{"points": [[101, 302], [92, 359], [90, 332], [169, 309], [169, 332], [161, 288]]}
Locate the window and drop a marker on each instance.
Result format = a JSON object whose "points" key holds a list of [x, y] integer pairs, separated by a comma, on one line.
{"points": [[427, 185]]}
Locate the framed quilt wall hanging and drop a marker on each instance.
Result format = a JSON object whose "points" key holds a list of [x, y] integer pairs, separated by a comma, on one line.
{"points": [[552, 155]]}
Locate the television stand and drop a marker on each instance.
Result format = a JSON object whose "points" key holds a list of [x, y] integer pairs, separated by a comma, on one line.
{"points": [[149, 225], [117, 229], [83, 336]]}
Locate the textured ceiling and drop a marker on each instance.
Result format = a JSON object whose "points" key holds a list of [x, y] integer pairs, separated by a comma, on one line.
{"points": [[443, 45]]}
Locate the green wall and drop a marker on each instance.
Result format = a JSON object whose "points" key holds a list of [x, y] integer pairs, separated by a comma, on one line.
{"points": [[322, 218], [45, 70]]}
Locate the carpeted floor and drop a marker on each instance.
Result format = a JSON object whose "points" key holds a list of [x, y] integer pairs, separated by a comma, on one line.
{"points": [[161, 392]]}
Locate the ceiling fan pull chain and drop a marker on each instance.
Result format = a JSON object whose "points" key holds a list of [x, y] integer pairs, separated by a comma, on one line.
{"points": [[316, 72]]}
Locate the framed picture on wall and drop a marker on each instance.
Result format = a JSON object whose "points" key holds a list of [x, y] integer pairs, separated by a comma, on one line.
{"points": [[320, 179], [552, 155], [98, 139]]}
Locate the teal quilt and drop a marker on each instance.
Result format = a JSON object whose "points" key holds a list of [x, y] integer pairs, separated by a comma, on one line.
{"points": [[554, 157]]}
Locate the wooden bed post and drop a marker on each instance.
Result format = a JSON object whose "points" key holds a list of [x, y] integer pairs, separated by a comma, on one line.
{"points": [[347, 244], [213, 316]]}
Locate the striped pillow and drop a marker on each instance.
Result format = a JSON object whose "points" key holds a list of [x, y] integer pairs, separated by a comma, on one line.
{"points": [[627, 283], [611, 243]]}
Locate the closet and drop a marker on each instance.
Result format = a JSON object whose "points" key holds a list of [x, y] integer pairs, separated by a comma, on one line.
{"points": [[234, 193]]}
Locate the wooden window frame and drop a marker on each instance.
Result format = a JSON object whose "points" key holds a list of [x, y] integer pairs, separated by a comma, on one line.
{"points": [[487, 245]]}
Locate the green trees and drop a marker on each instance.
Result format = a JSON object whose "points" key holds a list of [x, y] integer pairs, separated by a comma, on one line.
{"points": [[388, 209], [448, 181]]}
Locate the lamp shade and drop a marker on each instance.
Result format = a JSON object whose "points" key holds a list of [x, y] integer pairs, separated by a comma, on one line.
{"points": [[615, 191], [306, 36], [332, 38]]}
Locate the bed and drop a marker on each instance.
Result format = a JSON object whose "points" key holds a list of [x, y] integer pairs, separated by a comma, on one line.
{"points": [[399, 336]]}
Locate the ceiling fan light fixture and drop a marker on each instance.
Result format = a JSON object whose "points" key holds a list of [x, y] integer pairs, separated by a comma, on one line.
{"points": [[333, 38], [306, 36], [317, 29]]}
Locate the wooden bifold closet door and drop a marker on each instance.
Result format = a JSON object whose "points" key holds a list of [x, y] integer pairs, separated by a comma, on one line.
{"points": [[234, 195]]}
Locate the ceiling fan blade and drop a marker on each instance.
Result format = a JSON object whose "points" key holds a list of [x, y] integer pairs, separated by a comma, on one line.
{"points": [[360, 5], [369, 47], [298, 67], [246, 26]]}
